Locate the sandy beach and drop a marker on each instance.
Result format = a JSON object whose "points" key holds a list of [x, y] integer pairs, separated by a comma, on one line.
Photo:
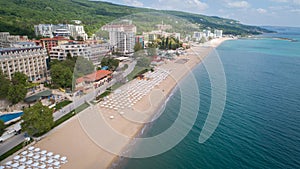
{"points": [[84, 139]]}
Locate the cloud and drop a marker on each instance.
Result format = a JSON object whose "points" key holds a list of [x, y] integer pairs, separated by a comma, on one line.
{"points": [[261, 11], [238, 4], [196, 6], [279, 1], [296, 2], [133, 3]]}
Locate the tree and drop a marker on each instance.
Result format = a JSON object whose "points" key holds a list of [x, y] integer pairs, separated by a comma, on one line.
{"points": [[2, 127], [110, 62], [138, 46], [4, 86], [143, 62], [19, 79], [83, 67], [16, 93], [61, 76], [151, 52], [37, 119]]}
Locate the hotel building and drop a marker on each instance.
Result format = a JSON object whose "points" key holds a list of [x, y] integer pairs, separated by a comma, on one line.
{"points": [[28, 60], [65, 30], [121, 37], [91, 52]]}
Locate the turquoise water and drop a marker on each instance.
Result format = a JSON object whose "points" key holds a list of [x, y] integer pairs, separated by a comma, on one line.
{"points": [[260, 127], [8, 117]]}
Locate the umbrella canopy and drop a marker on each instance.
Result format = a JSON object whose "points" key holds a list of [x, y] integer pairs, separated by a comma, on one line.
{"points": [[63, 159], [29, 162], [43, 166], [57, 156], [36, 157], [8, 163], [22, 167], [15, 165], [37, 149], [43, 152], [24, 152], [49, 154], [31, 148], [50, 161], [43, 159], [17, 157], [35, 164], [30, 154], [22, 160], [56, 163]]}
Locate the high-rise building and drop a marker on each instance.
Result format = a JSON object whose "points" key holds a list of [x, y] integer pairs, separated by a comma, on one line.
{"points": [[218, 33], [121, 37], [28, 60]]}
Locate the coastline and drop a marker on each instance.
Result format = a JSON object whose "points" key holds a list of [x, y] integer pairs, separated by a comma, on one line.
{"points": [[79, 143], [211, 45]]}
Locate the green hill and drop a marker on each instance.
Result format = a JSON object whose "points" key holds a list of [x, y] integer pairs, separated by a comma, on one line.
{"points": [[19, 16]]}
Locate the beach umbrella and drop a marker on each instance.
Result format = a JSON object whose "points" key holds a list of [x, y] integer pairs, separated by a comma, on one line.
{"points": [[43, 166], [35, 164], [17, 157], [63, 159], [22, 160], [36, 157], [29, 162], [22, 167], [9, 163], [49, 154], [43, 152], [31, 148], [30, 155], [24, 152], [37, 149], [15, 165], [43, 159], [57, 156], [50, 161], [111, 117], [50, 167], [57, 163], [2, 167]]}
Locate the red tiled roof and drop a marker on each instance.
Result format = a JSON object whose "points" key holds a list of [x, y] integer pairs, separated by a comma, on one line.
{"points": [[100, 74]]}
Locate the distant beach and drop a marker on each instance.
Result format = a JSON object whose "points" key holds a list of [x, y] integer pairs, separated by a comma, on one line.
{"points": [[77, 138]]}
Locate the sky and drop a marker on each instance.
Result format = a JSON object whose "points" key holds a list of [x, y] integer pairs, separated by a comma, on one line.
{"points": [[254, 12]]}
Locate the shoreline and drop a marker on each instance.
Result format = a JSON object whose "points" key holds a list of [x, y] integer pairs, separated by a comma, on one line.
{"points": [[79, 143], [213, 45]]}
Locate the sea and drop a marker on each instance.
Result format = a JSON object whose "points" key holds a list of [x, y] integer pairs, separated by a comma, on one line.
{"points": [[260, 124]]}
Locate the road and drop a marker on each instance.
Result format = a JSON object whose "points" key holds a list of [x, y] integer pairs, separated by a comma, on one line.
{"points": [[10, 143], [77, 101]]}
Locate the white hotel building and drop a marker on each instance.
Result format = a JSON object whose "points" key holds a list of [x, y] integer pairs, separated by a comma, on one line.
{"points": [[88, 51], [65, 30], [121, 37], [28, 60]]}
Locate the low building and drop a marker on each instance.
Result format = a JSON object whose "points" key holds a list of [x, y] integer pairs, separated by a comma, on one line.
{"points": [[49, 43], [6, 40], [91, 52], [28, 60], [141, 40], [65, 30], [95, 79]]}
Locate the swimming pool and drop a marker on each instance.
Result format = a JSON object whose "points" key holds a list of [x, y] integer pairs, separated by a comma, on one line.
{"points": [[8, 117]]}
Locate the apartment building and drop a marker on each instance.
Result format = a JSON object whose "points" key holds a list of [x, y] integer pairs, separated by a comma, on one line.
{"points": [[121, 37], [28, 60], [89, 51]]}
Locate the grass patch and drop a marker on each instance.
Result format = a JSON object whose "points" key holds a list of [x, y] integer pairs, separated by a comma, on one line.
{"points": [[116, 86], [136, 71], [62, 104], [63, 119], [82, 107], [13, 150]]}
